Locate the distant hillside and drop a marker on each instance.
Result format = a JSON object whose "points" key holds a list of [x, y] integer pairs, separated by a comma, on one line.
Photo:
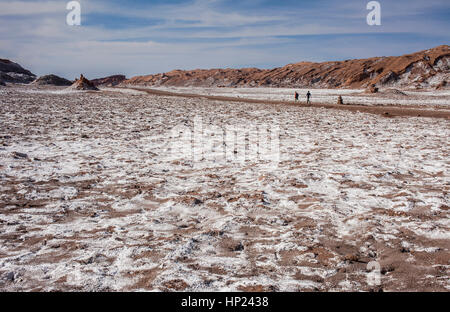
{"points": [[423, 69], [14, 73], [110, 81], [52, 80]]}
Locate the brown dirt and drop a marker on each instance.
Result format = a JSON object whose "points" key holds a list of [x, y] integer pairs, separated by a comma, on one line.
{"points": [[385, 111]]}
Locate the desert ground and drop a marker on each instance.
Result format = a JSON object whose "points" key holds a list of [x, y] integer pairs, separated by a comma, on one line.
{"points": [[92, 200], [429, 99]]}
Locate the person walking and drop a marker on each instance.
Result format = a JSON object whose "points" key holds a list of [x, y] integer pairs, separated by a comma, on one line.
{"points": [[296, 96], [308, 98]]}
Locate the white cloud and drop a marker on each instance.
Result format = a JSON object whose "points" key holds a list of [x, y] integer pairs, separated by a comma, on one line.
{"points": [[31, 8]]}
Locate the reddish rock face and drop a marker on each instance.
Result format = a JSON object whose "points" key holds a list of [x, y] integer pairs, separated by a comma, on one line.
{"points": [[83, 84], [110, 81], [395, 71]]}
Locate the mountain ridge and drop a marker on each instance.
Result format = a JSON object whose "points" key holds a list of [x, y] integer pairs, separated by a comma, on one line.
{"points": [[424, 69], [14, 73]]}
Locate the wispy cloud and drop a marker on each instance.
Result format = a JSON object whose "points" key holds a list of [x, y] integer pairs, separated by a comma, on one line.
{"points": [[23, 8]]}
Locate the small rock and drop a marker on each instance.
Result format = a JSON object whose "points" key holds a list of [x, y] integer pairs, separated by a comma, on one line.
{"points": [[386, 269], [10, 276], [238, 247], [442, 85], [404, 250], [18, 155], [215, 233], [351, 257], [372, 89]]}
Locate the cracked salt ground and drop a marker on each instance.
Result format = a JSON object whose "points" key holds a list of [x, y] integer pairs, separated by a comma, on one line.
{"points": [[97, 204]]}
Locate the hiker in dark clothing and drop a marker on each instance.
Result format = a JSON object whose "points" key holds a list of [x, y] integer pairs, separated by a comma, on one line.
{"points": [[308, 98], [296, 96]]}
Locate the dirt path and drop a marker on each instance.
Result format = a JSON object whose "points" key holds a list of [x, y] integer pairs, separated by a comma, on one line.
{"points": [[386, 111]]}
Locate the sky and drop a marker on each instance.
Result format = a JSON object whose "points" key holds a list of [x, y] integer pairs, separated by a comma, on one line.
{"points": [[138, 37]]}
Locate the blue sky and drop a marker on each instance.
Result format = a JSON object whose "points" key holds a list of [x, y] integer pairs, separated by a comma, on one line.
{"points": [[138, 37]]}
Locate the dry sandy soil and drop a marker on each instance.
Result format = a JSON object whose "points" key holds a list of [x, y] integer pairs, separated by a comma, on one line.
{"points": [[90, 200], [423, 99]]}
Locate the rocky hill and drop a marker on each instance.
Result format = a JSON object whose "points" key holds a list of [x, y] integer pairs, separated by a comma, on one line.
{"points": [[425, 69], [83, 84], [110, 81], [14, 73], [52, 80]]}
